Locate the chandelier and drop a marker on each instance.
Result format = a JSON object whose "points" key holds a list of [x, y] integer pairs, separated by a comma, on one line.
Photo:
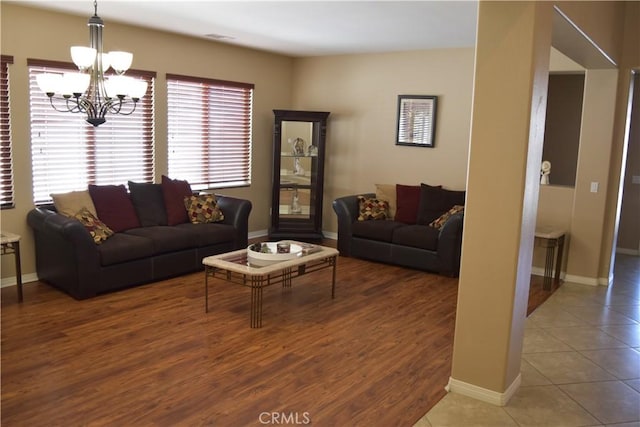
{"points": [[89, 91]]}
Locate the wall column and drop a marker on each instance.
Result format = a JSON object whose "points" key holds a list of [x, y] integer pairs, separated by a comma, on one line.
{"points": [[507, 131]]}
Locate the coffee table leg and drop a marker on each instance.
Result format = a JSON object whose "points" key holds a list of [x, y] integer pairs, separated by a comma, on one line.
{"points": [[206, 289], [286, 277], [256, 302], [16, 247], [334, 261]]}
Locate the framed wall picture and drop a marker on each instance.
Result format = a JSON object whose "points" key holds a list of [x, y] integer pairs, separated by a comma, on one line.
{"points": [[416, 120]]}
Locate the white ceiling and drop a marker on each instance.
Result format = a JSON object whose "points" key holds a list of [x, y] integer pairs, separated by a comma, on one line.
{"points": [[297, 28]]}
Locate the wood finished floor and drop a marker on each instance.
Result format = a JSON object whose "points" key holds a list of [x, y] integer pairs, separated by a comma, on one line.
{"points": [[379, 354]]}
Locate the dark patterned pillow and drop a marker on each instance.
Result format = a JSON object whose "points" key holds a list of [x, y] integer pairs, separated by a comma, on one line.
{"points": [[203, 208], [439, 222], [98, 229], [372, 209]]}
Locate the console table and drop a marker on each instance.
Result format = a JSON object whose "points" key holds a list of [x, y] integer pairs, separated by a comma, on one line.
{"points": [[10, 244], [553, 240]]}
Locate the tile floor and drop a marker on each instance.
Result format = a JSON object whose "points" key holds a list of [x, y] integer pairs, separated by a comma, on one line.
{"points": [[580, 362]]}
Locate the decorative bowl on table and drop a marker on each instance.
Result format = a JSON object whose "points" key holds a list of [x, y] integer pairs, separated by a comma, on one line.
{"points": [[267, 253]]}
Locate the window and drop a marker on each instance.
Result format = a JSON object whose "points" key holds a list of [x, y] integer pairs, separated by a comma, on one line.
{"points": [[6, 171], [209, 128], [69, 154]]}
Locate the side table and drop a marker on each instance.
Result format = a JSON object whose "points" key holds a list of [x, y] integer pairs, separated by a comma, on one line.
{"points": [[10, 244], [551, 238]]}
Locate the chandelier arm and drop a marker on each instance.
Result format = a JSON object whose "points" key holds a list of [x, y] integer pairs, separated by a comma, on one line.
{"points": [[73, 107], [133, 109], [69, 107]]}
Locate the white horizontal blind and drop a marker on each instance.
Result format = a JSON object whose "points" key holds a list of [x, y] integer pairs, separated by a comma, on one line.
{"points": [[69, 154], [209, 129], [6, 169]]}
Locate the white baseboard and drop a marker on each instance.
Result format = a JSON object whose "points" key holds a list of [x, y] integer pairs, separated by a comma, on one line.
{"points": [[330, 235], [581, 280], [11, 281], [483, 394], [539, 271], [256, 234]]}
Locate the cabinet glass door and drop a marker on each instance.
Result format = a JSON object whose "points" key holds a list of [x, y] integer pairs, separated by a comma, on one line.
{"points": [[297, 194], [298, 164]]}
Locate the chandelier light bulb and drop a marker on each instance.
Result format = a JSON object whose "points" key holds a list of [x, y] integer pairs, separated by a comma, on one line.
{"points": [[106, 61], [138, 89], [49, 83], [83, 57], [120, 61]]}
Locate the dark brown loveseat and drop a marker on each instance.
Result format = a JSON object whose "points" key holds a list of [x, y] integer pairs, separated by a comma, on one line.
{"points": [[68, 258], [414, 244]]}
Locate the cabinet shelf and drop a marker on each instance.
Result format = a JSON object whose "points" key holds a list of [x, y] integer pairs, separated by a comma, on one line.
{"points": [[306, 156], [298, 178]]}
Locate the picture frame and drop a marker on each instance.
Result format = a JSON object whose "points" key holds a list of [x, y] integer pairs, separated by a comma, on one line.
{"points": [[416, 120]]}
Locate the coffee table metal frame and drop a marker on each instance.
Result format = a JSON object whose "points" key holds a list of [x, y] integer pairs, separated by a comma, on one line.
{"points": [[233, 267]]}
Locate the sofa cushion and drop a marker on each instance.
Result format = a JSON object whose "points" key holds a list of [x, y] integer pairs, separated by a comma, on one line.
{"points": [[372, 209], [114, 206], [387, 192], [97, 229], [70, 203], [202, 209], [122, 247], [442, 219], [210, 233], [375, 230], [435, 201], [407, 200], [148, 201], [417, 236], [164, 238], [174, 191]]}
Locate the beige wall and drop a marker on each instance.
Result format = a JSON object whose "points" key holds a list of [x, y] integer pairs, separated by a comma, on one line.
{"points": [[587, 228], [34, 33], [629, 236], [361, 93]]}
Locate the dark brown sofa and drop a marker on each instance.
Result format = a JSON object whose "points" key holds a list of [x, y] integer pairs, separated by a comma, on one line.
{"points": [[68, 258], [416, 245]]}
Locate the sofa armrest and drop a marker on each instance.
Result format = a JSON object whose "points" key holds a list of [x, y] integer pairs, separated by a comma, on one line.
{"points": [[236, 213], [347, 210], [450, 245], [66, 255]]}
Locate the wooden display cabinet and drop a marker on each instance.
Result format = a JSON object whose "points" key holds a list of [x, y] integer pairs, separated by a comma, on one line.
{"points": [[298, 174]]}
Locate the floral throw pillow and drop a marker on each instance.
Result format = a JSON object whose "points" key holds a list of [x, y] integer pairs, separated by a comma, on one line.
{"points": [[372, 209], [439, 222], [203, 208], [98, 229]]}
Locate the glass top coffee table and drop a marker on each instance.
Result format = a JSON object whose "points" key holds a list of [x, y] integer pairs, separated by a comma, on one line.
{"points": [[234, 267]]}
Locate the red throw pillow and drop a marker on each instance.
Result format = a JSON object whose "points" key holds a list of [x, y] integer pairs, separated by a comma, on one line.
{"points": [[407, 200], [114, 206], [174, 191]]}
